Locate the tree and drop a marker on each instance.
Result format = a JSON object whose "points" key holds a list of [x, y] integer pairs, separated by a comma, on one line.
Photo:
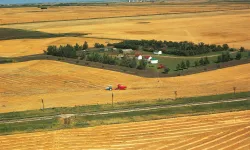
{"points": [[238, 56], [77, 47], [85, 45], [187, 63], [219, 59], [183, 65], [97, 45], [206, 61], [225, 46], [142, 64], [201, 62], [196, 63], [178, 67], [133, 63], [166, 70], [242, 49]]}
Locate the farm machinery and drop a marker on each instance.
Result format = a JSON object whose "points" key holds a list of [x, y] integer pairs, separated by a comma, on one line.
{"points": [[119, 87], [160, 66]]}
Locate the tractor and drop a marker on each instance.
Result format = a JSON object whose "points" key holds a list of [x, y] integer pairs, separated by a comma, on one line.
{"points": [[109, 88]]}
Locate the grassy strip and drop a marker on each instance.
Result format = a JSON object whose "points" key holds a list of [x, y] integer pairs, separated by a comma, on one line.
{"points": [[90, 121], [11, 33], [4, 61], [29, 126], [118, 106], [158, 114]]}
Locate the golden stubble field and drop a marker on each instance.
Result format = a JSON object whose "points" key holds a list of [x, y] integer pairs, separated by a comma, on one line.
{"points": [[34, 14], [23, 85], [24, 47], [228, 131], [209, 27]]}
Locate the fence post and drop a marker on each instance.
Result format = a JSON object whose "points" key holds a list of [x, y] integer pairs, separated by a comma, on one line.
{"points": [[234, 88], [175, 92]]}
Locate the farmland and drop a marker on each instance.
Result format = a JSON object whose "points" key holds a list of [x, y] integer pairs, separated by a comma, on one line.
{"points": [[61, 85], [224, 130], [216, 27], [155, 111]]}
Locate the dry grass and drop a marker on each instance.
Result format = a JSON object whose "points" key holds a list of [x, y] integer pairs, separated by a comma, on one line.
{"points": [[23, 85], [213, 27], [218, 131], [24, 47], [33, 14]]}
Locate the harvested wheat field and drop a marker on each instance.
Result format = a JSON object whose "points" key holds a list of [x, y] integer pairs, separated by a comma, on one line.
{"points": [[227, 131], [23, 85], [210, 27], [24, 47], [34, 14]]}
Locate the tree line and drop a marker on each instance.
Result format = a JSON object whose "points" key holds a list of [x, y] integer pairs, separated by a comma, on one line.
{"points": [[70, 51], [183, 48]]}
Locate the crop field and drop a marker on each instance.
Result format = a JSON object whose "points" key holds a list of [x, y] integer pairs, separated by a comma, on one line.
{"points": [[35, 14], [218, 131], [24, 47], [217, 27], [23, 85]]}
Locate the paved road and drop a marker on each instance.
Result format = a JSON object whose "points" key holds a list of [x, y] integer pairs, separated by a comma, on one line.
{"points": [[120, 111]]}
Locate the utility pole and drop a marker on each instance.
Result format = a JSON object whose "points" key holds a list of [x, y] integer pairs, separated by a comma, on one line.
{"points": [[234, 88], [175, 92], [43, 104], [112, 99]]}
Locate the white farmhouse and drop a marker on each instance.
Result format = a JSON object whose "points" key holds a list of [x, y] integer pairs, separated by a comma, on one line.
{"points": [[157, 52], [139, 57]]}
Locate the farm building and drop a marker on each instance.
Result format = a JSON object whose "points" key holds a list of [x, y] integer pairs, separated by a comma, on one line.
{"points": [[154, 61], [157, 52], [148, 58], [138, 56], [127, 51]]}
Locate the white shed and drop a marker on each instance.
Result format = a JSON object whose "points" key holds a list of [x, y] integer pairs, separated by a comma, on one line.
{"points": [[154, 61], [139, 57], [157, 52]]}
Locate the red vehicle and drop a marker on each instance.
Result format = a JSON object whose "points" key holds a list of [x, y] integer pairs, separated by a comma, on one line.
{"points": [[160, 66], [121, 87]]}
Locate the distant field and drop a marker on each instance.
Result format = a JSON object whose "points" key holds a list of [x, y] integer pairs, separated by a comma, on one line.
{"points": [[34, 14], [217, 131], [24, 47], [208, 27], [23, 85]]}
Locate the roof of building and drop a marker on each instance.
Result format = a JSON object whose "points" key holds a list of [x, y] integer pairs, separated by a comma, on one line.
{"points": [[147, 57]]}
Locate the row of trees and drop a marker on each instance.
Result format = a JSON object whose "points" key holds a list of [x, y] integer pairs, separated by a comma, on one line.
{"points": [[125, 61], [98, 45], [183, 48], [68, 51], [186, 64]]}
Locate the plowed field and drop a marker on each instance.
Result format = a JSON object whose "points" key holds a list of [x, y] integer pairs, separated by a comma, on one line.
{"points": [[227, 131], [23, 85]]}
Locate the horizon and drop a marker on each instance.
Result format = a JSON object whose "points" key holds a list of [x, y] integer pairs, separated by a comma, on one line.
{"points": [[12, 2]]}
